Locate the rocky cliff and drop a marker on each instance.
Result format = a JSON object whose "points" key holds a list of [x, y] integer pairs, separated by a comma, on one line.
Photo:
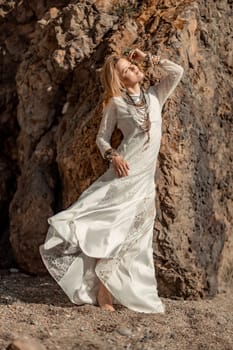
{"points": [[51, 53]]}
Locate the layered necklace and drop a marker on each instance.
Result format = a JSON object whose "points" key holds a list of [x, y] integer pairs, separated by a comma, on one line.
{"points": [[142, 109]]}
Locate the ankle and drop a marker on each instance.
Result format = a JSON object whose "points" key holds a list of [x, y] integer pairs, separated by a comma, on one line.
{"points": [[104, 298]]}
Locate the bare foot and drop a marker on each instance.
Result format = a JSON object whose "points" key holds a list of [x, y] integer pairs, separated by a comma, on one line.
{"points": [[104, 298]]}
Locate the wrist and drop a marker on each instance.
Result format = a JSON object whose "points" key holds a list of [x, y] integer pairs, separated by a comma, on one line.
{"points": [[147, 59], [156, 59], [110, 154], [114, 157], [151, 60]]}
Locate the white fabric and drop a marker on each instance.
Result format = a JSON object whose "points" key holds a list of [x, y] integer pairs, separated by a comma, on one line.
{"points": [[113, 218]]}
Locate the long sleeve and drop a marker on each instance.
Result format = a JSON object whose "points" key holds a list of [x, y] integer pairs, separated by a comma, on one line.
{"points": [[106, 128], [167, 85]]}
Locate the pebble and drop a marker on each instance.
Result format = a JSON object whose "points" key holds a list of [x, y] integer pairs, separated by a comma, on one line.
{"points": [[14, 270], [65, 107], [124, 331], [33, 322], [127, 347]]}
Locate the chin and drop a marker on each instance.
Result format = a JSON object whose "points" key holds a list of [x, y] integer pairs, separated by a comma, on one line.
{"points": [[140, 76]]}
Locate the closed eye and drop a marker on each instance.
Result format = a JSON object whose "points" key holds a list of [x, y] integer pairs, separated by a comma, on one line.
{"points": [[126, 69]]}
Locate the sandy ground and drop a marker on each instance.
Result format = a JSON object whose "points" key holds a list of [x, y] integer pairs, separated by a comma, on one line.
{"points": [[36, 306]]}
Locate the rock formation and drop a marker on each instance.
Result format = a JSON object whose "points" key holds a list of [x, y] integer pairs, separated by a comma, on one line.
{"points": [[25, 343], [51, 53]]}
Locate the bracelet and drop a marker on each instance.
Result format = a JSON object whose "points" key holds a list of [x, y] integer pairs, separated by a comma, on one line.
{"points": [[110, 153], [156, 59], [148, 59], [151, 60]]}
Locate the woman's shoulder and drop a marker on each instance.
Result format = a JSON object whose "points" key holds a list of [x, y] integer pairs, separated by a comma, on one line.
{"points": [[113, 99], [116, 101], [112, 104]]}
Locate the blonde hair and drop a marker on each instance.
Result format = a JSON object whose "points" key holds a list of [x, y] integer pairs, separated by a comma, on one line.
{"points": [[110, 79]]}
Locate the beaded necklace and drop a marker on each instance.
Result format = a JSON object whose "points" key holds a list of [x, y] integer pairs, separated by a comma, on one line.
{"points": [[142, 109]]}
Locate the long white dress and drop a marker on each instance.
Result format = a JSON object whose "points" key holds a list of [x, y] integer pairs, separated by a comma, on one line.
{"points": [[113, 218]]}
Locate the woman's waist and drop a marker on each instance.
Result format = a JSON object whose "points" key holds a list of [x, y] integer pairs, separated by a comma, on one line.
{"points": [[141, 147]]}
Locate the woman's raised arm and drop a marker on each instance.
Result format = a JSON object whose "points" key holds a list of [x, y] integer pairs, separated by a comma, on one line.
{"points": [[167, 85]]}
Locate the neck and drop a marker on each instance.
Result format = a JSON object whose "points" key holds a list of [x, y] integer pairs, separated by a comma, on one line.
{"points": [[135, 89]]}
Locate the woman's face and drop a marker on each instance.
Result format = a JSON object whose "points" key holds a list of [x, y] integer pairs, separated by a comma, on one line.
{"points": [[128, 72]]}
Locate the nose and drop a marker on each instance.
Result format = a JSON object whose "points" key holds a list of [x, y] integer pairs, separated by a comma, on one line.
{"points": [[133, 67]]}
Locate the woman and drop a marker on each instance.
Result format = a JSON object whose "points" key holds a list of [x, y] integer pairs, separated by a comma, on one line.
{"points": [[99, 250]]}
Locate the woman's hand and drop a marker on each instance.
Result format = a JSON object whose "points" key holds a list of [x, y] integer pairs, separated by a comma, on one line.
{"points": [[120, 165], [140, 56], [137, 55]]}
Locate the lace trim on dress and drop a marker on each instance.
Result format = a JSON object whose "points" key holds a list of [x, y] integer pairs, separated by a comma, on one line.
{"points": [[105, 267], [60, 260]]}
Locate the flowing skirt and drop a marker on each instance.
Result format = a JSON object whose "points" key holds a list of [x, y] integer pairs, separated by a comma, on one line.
{"points": [[111, 221]]}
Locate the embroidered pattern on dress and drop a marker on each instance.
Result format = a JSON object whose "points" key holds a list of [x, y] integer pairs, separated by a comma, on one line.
{"points": [[121, 190], [144, 217], [110, 194], [61, 257]]}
